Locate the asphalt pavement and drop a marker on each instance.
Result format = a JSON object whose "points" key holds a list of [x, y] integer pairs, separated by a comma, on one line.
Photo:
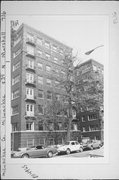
{"points": [[75, 154]]}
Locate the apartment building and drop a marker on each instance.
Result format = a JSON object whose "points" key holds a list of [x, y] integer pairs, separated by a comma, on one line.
{"points": [[36, 71], [91, 117]]}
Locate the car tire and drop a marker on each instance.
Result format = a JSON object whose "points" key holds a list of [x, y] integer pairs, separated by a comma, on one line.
{"points": [[91, 147], [81, 149], [25, 156], [68, 151], [50, 154]]}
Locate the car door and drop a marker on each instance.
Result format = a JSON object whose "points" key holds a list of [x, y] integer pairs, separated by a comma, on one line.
{"points": [[77, 146], [41, 152], [73, 146], [37, 152]]}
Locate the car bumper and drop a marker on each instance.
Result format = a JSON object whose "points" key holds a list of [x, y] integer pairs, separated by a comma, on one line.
{"points": [[61, 151]]}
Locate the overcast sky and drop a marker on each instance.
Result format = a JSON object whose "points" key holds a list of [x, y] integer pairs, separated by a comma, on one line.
{"points": [[82, 33]]}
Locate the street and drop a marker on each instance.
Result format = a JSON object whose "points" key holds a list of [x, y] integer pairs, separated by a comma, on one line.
{"points": [[75, 154]]}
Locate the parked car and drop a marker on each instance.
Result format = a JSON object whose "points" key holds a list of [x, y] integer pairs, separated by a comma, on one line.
{"points": [[70, 146], [35, 152], [97, 153], [91, 144]]}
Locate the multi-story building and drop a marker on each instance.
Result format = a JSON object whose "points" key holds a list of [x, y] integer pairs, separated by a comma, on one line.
{"points": [[36, 70], [88, 74]]}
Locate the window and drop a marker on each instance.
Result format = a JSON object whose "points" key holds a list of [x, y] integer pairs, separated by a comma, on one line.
{"points": [[30, 50], [84, 129], [15, 94], [47, 56], [40, 126], [73, 113], [94, 68], [40, 109], [48, 82], [63, 74], [16, 53], [16, 66], [83, 119], [93, 127], [61, 51], [51, 126], [54, 48], [30, 126], [55, 59], [39, 52], [57, 83], [30, 38], [40, 79], [39, 41], [49, 95], [92, 117], [48, 68], [75, 127], [59, 113], [30, 92], [15, 110], [30, 109], [51, 141], [59, 125], [17, 40], [40, 66], [15, 79], [30, 77], [14, 127], [55, 70], [57, 97], [47, 44], [40, 94], [30, 63]]}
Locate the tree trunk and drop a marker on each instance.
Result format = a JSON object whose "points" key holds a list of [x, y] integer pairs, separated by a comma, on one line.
{"points": [[69, 130], [69, 121]]}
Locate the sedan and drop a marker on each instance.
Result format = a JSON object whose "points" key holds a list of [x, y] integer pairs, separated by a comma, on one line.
{"points": [[36, 152], [70, 146], [92, 144]]}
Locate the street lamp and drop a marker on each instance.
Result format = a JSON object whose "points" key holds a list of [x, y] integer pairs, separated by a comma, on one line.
{"points": [[89, 52]]}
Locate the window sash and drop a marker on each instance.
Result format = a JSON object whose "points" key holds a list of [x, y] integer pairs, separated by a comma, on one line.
{"points": [[30, 49], [16, 66], [30, 77], [40, 66], [48, 82], [40, 79], [15, 94], [48, 68]]}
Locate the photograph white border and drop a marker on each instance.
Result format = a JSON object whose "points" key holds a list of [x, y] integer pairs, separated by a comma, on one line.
{"points": [[64, 8]]}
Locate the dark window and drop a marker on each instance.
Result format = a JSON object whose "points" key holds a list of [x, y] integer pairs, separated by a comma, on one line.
{"points": [[40, 109], [40, 126], [40, 93]]}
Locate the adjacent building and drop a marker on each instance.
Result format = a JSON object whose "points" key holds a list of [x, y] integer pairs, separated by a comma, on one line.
{"points": [[36, 71], [91, 117]]}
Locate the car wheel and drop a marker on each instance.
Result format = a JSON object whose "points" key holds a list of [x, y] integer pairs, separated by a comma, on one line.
{"points": [[91, 147], [81, 149], [50, 154], [68, 151], [25, 156]]}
